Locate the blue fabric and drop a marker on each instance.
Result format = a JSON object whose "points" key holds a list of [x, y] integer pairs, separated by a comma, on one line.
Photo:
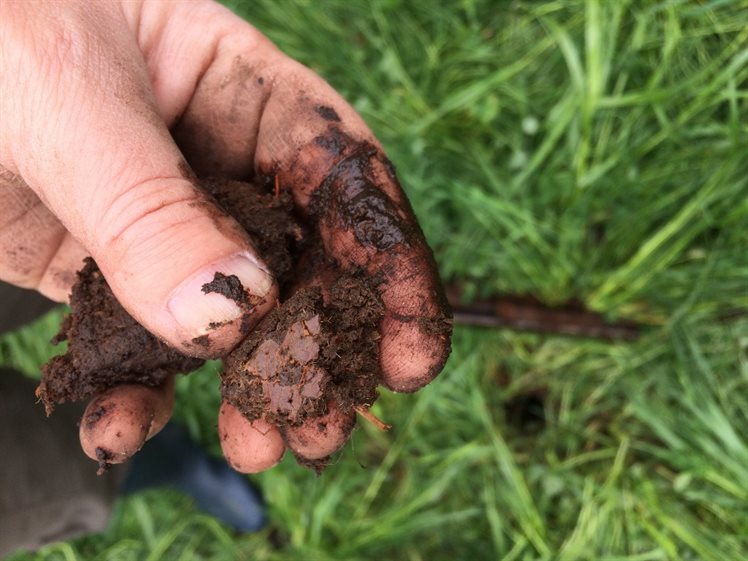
{"points": [[173, 459]]}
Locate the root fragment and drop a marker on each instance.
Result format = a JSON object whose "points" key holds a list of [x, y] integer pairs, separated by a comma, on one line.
{"points": [[366, 413]]}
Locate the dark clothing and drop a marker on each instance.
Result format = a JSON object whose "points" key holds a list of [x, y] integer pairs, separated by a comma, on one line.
{"points": [[49, 490]]}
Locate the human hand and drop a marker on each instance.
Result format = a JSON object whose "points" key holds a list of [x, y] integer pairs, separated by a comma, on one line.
{"points": [[104, 103]]}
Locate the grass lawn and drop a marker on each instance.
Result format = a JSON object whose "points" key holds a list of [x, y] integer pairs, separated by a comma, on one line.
{"points": [[591, 150]]}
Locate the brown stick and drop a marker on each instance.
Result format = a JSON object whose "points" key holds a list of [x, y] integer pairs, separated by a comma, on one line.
{"points": [[529, 314], [372, 418]]}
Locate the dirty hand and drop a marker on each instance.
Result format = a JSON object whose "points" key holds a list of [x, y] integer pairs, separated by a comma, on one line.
{"points": [[102, 105]]}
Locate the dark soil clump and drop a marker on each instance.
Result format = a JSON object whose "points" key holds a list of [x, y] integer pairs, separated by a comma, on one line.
{"points": [[319, 346], [267, 217], [227, 285], [106, 347], [307, 352]]}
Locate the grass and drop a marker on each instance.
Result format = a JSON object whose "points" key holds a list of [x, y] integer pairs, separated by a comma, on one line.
{"points": [[569, 149]]}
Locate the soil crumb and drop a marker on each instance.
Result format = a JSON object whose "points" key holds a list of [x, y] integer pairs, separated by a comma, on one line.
{"points": [[103, 456], [227, 285]]}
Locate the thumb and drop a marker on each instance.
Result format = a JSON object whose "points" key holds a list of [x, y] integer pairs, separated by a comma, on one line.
{"points": [[87, 137]]}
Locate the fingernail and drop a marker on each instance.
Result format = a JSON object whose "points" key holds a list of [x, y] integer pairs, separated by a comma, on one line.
{"points": [[196, 309]]}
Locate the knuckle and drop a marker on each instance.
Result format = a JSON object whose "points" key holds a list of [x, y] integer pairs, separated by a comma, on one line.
{"points": [[144, 212], [61, 55]]}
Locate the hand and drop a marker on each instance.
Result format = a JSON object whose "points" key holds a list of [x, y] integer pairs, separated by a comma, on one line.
{"points": [[103, 104]]}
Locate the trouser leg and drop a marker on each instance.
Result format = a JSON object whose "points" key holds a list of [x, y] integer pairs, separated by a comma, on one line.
{"points": [[49, 490], [19, 307]]}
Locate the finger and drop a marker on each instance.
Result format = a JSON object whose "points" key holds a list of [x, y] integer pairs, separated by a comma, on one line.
{"points": [[254, 104], [60, 275], [30, 235], [249, 447], [204, 88], [416, 325], [125, 192], [35, 249], [319, 437], [117, 423], [348, 186]]}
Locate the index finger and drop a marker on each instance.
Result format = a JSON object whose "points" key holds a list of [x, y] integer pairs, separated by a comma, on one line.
{"points": [[313, 143]]}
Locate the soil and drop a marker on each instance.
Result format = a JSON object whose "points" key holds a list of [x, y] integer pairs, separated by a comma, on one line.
{"points": [[106, 347], [229, 286], [268, 217], [307, 352], [317, 346]]}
